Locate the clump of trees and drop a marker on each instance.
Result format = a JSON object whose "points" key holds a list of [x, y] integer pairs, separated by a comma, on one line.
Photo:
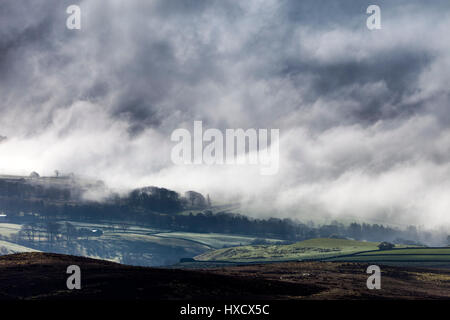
{"points": [[386, 246], [51, 232], [162, 208]]}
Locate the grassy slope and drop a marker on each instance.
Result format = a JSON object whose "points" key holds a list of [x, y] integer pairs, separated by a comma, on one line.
{"points": [[213, 240], [9, 247], [8, 229], [152, 246], [411, 251], [308, 249], [401, 255], [42, 276]]}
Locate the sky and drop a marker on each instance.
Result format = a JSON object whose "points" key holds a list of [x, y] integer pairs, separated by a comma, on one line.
{"points": [[363, 115]]}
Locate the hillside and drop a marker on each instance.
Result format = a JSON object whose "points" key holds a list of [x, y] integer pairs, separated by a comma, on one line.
{"points": [[42, 276], [9, 248], [124, 243], [308, 249], [425, 257]]}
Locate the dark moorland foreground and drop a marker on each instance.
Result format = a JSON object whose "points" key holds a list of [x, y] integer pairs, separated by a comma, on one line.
{"points": [[43, 276]]}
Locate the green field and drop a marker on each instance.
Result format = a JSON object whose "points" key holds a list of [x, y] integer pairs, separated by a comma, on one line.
{"points": [[138, 245], [214, 240], [409, 251], [413, 255], [127, 243], [308, 249], [8, 229], [9, 248], [332, 250]]}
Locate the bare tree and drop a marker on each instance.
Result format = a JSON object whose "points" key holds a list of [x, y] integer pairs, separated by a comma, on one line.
{"points": [[52, 229], [27, 230], [70, 231]]}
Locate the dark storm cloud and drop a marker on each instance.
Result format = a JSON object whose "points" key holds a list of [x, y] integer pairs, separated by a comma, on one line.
{"points": [[397, 71], [147, 80], [360, 112]]}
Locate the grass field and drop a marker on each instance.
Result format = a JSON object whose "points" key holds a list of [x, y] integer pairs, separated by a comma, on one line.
{"points": [[410, 251], [8, 229], [7, 247], [308, 249], [410, 256], [214, 240], [337, 250], [140, 245], [128, 243]]}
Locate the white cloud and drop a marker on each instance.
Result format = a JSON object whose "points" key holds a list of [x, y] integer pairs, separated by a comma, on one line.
{"points": [[362, 115]]}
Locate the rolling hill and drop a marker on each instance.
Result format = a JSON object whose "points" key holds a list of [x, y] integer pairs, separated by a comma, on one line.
{"points": [[331, 250], [308, 249], [42, 276]]}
